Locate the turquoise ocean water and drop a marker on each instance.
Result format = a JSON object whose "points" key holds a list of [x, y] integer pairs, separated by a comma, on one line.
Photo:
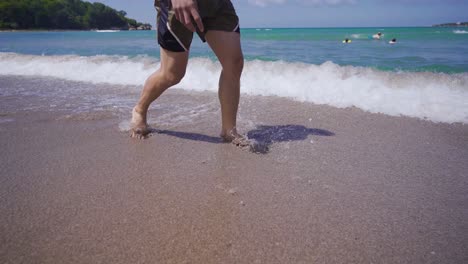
{"points": [[417, 49], [423, 75]]}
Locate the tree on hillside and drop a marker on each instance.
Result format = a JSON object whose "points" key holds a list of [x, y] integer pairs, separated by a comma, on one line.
{"points": [[61, 14]]}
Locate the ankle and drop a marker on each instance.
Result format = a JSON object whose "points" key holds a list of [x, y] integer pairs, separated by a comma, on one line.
{"points": [[229, 132], [140, 110]]}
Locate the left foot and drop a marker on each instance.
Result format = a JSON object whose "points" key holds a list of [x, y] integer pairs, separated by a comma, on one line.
{"points": [[244, 142], [235, 138]]}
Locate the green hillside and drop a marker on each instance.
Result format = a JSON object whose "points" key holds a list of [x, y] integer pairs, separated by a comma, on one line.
{"points": [[63, 14], [459, 24]]}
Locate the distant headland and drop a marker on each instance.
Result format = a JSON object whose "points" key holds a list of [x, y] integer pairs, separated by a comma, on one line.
{"points": [[458, 24], [64, 15]]}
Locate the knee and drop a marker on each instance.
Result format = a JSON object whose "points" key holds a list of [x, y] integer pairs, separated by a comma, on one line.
{"points": [[172, 78], [234, 66]]}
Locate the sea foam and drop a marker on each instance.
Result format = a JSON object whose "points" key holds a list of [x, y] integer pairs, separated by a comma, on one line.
{"points": [[437, 97]]}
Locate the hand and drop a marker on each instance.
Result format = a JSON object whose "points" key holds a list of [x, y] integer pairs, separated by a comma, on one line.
{"points": [[185, 10]]}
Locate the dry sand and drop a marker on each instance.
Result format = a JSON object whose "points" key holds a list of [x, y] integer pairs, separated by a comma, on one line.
{"points": [[337, 186]]}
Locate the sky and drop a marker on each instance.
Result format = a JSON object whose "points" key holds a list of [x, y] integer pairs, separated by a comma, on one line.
{"points": [[324, 13]]}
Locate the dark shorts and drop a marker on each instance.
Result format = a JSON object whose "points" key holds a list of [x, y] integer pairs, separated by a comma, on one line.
{"points": [[174, 36]]}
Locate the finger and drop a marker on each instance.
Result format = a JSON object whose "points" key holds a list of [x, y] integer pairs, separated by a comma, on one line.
{"points": [[197, 19], [187, 21], [177, 14]]}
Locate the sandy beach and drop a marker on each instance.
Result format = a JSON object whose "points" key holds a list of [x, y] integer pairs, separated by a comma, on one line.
{"points": [[335, 186]]}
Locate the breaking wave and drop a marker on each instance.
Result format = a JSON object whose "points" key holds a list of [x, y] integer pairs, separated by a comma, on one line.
{"points": [[439, 97]]}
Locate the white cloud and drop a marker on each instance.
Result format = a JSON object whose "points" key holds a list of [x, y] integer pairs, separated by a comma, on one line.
{"points": [[307, 2]]}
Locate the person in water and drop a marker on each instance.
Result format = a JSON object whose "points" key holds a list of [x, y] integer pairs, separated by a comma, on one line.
{"points": [[377, 36], [393, 41], [347, 41], [217, 23]]}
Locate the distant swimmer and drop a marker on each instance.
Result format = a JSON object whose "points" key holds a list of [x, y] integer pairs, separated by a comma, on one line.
{"points": [[347, 41], [393, 41], [377, 36]]}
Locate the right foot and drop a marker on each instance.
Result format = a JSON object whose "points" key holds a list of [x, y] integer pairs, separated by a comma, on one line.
{"points": [[139, 129]]}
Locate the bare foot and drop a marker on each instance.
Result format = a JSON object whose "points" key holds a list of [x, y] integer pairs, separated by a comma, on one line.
{"points": [[139, 128], [235, 138], [244, 142]]}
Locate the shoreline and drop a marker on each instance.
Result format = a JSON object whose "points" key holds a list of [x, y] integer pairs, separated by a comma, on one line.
{"points": [[337, 186]]}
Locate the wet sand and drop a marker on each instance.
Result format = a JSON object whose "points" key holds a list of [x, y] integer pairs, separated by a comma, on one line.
{"points": [[336, 186]]}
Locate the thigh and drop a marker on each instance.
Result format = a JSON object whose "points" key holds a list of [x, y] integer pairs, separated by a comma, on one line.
{"points": [[174, 63], [226, 46]]}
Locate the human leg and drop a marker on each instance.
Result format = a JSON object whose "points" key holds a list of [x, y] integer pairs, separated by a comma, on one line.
{"points": [[227, 47], [171, 71]]}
